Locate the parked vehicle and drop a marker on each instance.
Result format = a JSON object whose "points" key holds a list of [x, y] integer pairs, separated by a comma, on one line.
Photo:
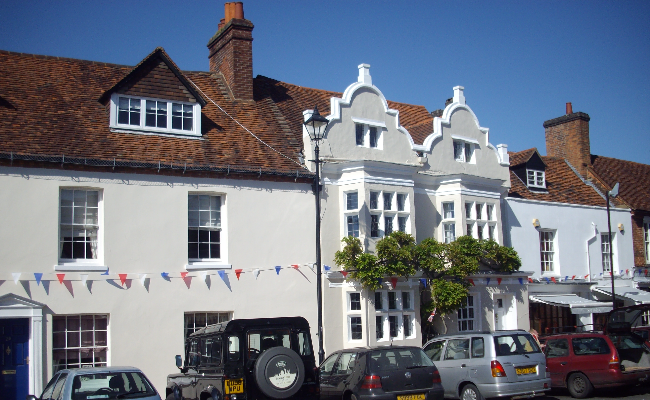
{"points": [[98, 383], [380, 373], [247, 359], [581, 362], [478, 365], [618, 356]]}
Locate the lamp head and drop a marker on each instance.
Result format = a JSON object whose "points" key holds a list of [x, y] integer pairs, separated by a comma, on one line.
{"points": [[316, 125], [614, 191]]}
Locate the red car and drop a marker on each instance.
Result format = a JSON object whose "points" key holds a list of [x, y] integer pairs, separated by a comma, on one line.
{"points": [[581, 362]]}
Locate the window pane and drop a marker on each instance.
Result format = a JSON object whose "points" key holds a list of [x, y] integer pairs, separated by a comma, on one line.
{"points": [[388, 225], [392, 326], [355, 301], [355, 328], [402, 223], [373, 136], [352, 201], [407, 325], [392, 300], [379, 327], [468, 152], [406, 300], [374, 200], [401, 201], [388, 200], [378, 301], [374, 226], [353, 225], [359, 134]]}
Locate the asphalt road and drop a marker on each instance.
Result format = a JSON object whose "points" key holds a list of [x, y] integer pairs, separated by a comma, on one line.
{"points": [[639, 392]]}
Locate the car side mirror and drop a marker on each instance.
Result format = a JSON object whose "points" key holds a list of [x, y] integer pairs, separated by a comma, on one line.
{"points": [[179, 362]]}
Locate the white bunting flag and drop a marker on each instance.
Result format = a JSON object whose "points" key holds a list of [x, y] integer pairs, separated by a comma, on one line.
{"points": [[143, 278], [256, 272], [16, 276], [84, 279], [203, 275]]}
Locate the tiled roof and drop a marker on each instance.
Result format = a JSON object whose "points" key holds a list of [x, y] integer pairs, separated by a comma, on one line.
{"points": [[520, 157], [633, 178], [49, 106], [562, 183]]}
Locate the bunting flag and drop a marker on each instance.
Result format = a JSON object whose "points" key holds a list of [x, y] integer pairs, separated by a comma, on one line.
{"points": [[183, 275], [344, 273], [553, 279], [566, 278], [381, 281], [122, 278], [222, 275], [547, 281], [627, 272], [84, 279], [238, 273], [295, 266], [203, 275], [530, 279], [60, 276], [256, 273], [38, 276], [498, 281], [487, 281], [423, 281], [393, 281], [521, 281], [16, 276], [471, 281], [586, 276], [327, 268], [433, 314], [165, 275], [143, 278], [277, 269], [573, 278], [105, 273]]}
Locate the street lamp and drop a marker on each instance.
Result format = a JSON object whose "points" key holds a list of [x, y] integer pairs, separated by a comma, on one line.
{"points": [[613, 193], [316, 125]]}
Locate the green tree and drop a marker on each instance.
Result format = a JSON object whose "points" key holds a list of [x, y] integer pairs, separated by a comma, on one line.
{"points": [[446, 266]]}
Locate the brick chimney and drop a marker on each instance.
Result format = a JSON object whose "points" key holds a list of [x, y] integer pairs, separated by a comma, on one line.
{"points": [[568, 137], [231, 51]]}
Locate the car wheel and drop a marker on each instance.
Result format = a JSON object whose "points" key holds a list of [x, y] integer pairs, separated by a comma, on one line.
{"points": [[579, 385], [470, 392], [279, 372]]}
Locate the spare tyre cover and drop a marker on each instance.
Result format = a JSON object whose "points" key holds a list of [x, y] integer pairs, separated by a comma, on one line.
{"points": [[279, 372]]}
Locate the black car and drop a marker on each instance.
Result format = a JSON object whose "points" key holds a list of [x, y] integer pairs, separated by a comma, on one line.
{"points": [[247, 359], [380, 373]]}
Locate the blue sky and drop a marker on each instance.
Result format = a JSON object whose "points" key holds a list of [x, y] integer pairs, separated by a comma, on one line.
{"points": [[519, 61]]}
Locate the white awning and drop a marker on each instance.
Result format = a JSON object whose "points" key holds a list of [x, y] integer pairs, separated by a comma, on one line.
{"points": [[577, 304], [637, 295]]}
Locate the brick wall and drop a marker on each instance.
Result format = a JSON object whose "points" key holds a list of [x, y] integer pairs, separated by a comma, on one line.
{"points": [[158, 81], [568, 137], [231, 53]]}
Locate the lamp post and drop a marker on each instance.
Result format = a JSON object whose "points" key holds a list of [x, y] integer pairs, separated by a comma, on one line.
{"points": [[613, 193], [316, 125]]}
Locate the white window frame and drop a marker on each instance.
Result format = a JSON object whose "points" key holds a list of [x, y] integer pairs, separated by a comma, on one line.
{"points": [[349, 324], [81, 346], [604, 250], [544, 250], [143, 128], [198, 264], [399, 311], [470, 310], [351, 212], [367, 125], [646, 238], [222, 316], [448, 208], [83, 264], [449, 228], [349, 296], [536, 176], [466, 147], [392, 214], [481, 221]]}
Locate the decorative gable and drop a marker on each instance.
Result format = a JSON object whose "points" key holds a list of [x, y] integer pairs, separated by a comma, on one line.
{"points": [[155, 98]]}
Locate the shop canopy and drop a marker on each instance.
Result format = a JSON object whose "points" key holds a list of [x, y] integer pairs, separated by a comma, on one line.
{"points": [[577, 304], [637, 295]]}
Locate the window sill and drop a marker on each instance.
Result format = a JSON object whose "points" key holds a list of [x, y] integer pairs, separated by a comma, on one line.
{"points": [[206, 265], [80, 267], [183, 134]]}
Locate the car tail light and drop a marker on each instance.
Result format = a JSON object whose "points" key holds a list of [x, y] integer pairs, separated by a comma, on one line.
{"points": [[436, 377], [497, 369], [371, 382], [615, 362], [545, 385]]}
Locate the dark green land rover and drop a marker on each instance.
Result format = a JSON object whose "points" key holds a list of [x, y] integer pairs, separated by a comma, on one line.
{"points": [[247, 359]]}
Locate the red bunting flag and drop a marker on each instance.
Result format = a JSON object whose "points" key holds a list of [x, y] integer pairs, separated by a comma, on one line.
{"points": [[183, 275], [393, 281], [344, 273], [122, 278], [60, 276], [553, 279], [646, 272], [573, 278], [295, 266], [586, 276], [471, 281], [238, 273], [498, 281], [530, 279], [627, 271]]}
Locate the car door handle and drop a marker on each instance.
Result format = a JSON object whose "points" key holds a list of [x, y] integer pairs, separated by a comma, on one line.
{"points": [[463, 365], [563, 363]]}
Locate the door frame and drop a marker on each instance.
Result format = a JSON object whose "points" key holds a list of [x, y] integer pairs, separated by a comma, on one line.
{"points": [[14, 306]]}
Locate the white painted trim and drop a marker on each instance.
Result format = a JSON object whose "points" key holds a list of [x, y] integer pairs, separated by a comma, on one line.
{"points": [[371, 122], [465, 139], [555, 203], [461, 191], [80, 267], [206, 266], [366, 179]]}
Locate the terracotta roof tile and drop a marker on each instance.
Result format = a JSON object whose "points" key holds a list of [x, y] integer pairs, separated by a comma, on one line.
{"points": [[633, 178], [520, 157]]}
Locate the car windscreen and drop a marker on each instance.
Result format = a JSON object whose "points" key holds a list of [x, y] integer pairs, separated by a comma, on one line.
{"points": [[398, 358], [111, 385], [515, 343]]}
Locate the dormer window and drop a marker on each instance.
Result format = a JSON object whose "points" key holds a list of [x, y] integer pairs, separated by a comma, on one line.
{"points": [[536, 178], [463, 151], [155, 115], [368, 133]]}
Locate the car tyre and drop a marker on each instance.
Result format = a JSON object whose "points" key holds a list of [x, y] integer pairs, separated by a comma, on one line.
{"points": [[470, 392], [579, 385], [279, 372]]}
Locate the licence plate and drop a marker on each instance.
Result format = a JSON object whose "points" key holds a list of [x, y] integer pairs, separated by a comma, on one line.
{"points": [[234, 386], [526, 370], [419, 396]]}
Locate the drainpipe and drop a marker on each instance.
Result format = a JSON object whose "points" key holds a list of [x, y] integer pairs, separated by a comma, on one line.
{"points": [[587, 245]]}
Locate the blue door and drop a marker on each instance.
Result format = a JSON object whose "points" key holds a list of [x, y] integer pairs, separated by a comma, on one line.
{"points": [[14, 378]]}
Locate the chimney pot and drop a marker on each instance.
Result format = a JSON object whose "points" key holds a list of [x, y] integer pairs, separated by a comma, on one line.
{"points": [[228, 12], [238, 9], [221, 23], [569, 108]]}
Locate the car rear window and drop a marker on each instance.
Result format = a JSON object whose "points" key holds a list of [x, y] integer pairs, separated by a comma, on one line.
{"points": [[627, 341], [517, 343], [392, 359], [589, 345], [111, 385]]}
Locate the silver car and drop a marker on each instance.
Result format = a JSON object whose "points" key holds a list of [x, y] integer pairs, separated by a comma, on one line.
{"points": [[478, 365], [98, 383]]}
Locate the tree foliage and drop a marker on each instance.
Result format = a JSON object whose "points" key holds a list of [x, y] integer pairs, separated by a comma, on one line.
{"points": [[446, 266]]}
